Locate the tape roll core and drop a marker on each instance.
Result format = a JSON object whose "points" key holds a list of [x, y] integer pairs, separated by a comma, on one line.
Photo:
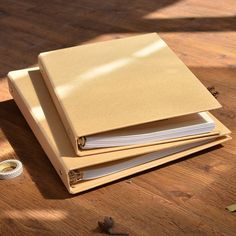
{"points": [[10, 169]]}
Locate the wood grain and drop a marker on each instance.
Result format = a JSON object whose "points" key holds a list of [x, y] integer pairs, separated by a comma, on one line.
{"points": [[187, 197]]}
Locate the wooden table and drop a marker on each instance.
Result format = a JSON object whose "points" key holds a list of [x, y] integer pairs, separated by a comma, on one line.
{"points": [[187, 197]]}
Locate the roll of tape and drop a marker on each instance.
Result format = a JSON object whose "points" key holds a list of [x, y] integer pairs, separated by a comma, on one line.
{"points": [[10, 169]]}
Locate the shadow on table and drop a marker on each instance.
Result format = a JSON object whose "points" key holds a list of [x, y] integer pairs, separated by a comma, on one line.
{"points": [[29, 152]]}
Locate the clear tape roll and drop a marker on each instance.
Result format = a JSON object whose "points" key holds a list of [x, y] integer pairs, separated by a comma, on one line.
{"points": [[10, 169]]}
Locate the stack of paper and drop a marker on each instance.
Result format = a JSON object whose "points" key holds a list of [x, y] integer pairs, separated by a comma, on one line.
{"points": [[178, 127], [108, 110]]}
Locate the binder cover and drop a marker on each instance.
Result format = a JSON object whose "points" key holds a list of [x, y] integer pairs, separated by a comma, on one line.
{"points": [[34, 101], [120, 83]]}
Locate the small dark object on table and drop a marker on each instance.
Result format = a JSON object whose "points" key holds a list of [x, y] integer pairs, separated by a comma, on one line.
{"points": [[213, 91], [107, 226]]}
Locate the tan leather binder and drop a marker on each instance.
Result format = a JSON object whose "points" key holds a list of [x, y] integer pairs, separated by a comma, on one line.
{"points": [[120, 83], [32, 97]]}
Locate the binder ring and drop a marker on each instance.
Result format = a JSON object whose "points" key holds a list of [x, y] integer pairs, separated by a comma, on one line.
{"points": [[81, 141], [10, 169]]}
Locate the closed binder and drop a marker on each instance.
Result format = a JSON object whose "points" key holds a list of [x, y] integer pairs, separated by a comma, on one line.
{"points": [[82, 173], [120, 83]]}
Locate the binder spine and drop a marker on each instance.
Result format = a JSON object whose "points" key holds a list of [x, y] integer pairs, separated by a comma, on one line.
{"points": [[66, 121]]}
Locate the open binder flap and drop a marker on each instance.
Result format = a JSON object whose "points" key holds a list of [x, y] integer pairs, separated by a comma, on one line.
{"points": [[36, 105], [120, 83]]}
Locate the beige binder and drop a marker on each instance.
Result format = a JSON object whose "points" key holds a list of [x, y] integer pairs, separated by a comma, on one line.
{"points": [[120, 83], [33, 99]]}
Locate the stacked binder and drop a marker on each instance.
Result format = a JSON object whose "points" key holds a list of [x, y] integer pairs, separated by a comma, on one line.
{"points": [[107, 110]]}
